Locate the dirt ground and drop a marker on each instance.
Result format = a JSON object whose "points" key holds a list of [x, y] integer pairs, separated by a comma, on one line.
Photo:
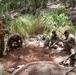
{"points": [[25, 55], [28, 53]]}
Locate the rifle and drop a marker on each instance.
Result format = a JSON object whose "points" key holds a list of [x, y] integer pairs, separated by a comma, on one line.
{"points": [[71, 56], [68, 57]]}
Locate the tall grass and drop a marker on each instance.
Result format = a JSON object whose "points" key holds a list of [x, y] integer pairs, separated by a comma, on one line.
{"points": [[53, 21], [44, 23], [60, 9], [27, 24]]}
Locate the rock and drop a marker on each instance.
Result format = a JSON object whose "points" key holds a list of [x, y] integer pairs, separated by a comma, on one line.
{"points": [[40, 68], [20, 66], [21, 57], [10, 70], [3, 70]]}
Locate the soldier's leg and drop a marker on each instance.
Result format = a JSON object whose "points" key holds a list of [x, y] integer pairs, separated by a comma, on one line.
{"points": [[67, 47], [72, 59], [2, 47]]}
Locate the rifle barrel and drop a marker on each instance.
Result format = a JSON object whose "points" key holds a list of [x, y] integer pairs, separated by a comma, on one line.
{"points": [[70, 56]]}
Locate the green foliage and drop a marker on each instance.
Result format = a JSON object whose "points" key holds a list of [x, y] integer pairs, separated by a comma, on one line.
{"points": [[70, 2], [46, 22], [74, 3], [7, 20], [52, 20], [35, 24], [9, 5], [60, 9], [27, 24], [72, 29]]}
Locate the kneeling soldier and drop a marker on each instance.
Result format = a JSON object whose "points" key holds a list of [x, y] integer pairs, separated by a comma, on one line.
{"points": [[69, 45], [15, 41], [54, 39]]}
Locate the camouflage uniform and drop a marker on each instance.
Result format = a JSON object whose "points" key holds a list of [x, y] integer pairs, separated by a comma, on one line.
{"points": [[54, 40], [69, 43], [14, 41], [2, 33], [69, 46]]}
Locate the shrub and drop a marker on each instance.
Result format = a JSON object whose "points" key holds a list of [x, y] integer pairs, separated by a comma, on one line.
{"points": [[60, 9], [52, 20], [27, 24], [45, 22]]}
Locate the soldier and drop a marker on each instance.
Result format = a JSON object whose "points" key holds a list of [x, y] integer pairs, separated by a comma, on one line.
{"points": [[69, 42], [2, 33], [69, 45], [15, 41], [54, 40]]}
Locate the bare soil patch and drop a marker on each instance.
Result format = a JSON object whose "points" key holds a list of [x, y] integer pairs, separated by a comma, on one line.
{"points": [[25, 55]]}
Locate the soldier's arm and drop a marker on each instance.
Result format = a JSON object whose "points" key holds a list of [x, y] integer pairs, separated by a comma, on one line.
{"points": [[20, 39], [67, 40], [51, 38], [58, 39]]}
